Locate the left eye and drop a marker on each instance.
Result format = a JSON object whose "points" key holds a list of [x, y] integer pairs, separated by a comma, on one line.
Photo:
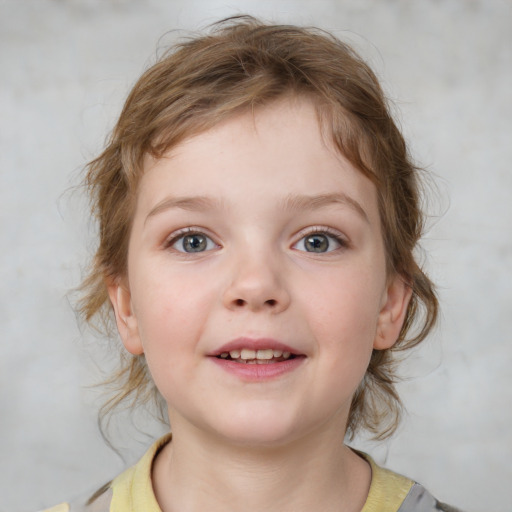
{"points": [[193, 242], [318, 242]]}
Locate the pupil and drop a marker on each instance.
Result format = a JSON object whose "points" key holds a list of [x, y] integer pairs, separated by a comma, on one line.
{"points": [[317, 243], [194, 243]]}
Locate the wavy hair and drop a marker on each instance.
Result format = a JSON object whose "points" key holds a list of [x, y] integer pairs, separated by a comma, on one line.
{"points": [[240, 64]]}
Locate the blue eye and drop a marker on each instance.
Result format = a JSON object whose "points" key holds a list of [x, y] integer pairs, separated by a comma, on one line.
{"points": [[193, 242], [318, 243]]}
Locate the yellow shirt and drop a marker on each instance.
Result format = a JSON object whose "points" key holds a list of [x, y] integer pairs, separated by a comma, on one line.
{"points": [[132, 490]]}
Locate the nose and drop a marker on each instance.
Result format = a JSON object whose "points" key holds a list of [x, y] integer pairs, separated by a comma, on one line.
{"points": [[256, 283]]}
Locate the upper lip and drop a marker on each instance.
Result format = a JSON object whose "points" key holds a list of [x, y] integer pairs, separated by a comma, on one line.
{"points": [[253, 344]]}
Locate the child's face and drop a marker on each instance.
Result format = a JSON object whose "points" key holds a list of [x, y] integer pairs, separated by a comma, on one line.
{"points": [[257, 235]]}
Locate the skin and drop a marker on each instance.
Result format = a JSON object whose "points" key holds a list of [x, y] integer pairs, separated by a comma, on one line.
{"points": [[270, 443]]}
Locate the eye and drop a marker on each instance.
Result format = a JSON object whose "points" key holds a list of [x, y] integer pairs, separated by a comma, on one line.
{"points": [[192, 242], [319, 242]]}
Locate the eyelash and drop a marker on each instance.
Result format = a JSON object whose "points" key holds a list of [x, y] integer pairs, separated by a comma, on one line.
{"points": [[315, 230], [181, 234], [321, 230]]}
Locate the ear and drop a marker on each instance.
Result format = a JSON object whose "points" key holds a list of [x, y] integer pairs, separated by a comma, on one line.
{"points": [[120, 297], [392, 314]]}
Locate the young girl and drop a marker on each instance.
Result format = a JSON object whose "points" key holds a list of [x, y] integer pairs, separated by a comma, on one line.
{"points": [[258, 214]]}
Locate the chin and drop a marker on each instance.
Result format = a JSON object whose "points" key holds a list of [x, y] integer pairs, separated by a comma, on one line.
{"points": [[259, 430], [260, 439]]}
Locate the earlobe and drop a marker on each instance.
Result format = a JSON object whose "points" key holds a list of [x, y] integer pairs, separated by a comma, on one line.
{"points": [[126, 321], [392, 314]]}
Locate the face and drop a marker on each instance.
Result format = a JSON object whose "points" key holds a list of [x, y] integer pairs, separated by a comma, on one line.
{"points": [[256, 283]]}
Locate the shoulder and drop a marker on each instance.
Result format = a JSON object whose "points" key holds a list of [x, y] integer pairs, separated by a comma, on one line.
{"points": [[131, 490], [391, 492], [419, 499]]}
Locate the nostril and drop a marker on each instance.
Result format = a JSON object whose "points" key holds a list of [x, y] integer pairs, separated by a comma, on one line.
{"points": [[239, 302], [271, 302]]}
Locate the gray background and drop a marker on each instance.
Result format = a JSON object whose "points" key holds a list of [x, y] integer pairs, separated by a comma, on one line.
{"points": [[66, 66]]}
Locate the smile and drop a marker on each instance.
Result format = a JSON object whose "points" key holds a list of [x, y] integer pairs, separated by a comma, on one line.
{"points": [[261, 356], [257, 360]]}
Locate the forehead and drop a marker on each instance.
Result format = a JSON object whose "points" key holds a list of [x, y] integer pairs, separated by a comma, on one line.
{"points": [[273, 151]]}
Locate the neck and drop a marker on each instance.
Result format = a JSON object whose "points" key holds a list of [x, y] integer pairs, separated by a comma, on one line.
{"points": [[317, 472]]}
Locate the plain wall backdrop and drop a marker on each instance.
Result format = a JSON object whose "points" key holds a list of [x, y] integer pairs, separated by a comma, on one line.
{"points": [[66, 67]]}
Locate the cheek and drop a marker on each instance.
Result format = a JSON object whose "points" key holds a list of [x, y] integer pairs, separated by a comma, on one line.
{"points": [[342, 313], [344, 302], [171, 311], [168, 304], [168, 336]]}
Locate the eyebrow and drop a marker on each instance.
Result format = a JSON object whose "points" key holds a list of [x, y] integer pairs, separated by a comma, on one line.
{"points": [[193, 204], [306, 202], [290, 203]]}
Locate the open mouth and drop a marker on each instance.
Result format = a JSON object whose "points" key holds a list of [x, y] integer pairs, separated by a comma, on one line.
{"points": [[261, 356]]}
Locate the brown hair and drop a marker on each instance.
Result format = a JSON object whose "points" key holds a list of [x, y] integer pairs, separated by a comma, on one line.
{"points": [[241, 64]]}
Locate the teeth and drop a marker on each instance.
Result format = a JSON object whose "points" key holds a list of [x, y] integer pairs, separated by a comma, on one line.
{"points": [[265, 354], [248, 355]]}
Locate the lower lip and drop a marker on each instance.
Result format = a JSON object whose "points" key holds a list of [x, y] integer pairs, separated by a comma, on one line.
{"points": [[259, 372]]}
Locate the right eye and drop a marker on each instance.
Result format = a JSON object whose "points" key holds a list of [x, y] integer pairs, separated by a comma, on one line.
{"points": [[192, 243]]}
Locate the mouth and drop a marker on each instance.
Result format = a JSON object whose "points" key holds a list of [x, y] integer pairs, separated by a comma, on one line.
{"points": [[257, 356], [256, 351], [257, 360]]}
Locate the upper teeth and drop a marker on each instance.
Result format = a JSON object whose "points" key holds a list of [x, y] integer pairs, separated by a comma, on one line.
{"points": [[247, 353]]}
